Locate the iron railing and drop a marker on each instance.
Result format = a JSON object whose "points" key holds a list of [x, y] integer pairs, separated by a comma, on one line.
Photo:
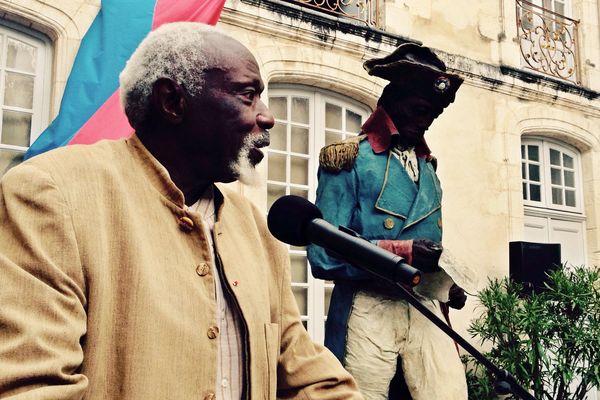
{"points": [[548, 41], [366, 11]]}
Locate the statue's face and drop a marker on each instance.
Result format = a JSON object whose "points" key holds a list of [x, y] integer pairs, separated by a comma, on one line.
{"points": [[412, 115]]}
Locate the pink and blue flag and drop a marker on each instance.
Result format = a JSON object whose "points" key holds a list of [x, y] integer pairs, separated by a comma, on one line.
{"points": [[90, 108]]}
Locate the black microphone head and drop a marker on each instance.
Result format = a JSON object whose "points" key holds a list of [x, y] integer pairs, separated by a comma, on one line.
{"points": [[289, 217]]}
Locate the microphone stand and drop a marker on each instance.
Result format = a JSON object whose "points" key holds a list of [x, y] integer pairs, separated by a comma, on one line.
{"points": [[505, 381]]}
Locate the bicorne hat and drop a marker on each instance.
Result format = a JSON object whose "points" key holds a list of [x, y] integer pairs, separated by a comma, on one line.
{"points": [[415, 69]]}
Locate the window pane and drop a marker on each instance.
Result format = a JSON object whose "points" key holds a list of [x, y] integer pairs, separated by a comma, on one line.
{"points": [[273, 193], [327, 299], [535, 193], [333, 116], [570, 179], [9, 159], [554, 157], [533, 153], [299, 171], [278, 137], [301, 298], [523, 170], [570, 198], [300, 110], [524, 191], [21, 56], [557, 196], [523, 151], [556, 176], [16, 127], [299, 270], [559, 8], [299, 192], [278, 106], [353, 122], [534, 172], [567, 161], [299, 140], [18, 90], [277, 167], [331, 137]]}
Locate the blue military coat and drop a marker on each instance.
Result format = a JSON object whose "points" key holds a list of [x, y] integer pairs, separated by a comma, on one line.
{"points": [[375, 197]]}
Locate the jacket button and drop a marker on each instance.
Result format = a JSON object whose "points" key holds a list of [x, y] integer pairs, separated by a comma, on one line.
{"points": [[388, 223], [212, 332], [186, 224], [210, 396], [202, 269]]}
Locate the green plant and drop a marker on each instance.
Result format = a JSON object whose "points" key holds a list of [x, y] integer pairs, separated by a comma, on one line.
{"points": [[548, 340]]}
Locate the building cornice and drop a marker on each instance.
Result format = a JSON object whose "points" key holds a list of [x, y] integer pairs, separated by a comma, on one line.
{"points": [[291, 21]]}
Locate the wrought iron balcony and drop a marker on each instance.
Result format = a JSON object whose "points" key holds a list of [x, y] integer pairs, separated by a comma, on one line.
{"points": [[548, 41], [362, 10]]}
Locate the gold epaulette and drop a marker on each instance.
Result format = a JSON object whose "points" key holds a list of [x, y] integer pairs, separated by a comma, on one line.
{"points": [[338, 156]]}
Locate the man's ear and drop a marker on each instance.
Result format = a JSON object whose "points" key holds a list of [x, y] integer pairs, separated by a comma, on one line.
{"points": [[169, 100]]}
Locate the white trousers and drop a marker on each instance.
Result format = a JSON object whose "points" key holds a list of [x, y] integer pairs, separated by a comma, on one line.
{"points": [[380, 329]]}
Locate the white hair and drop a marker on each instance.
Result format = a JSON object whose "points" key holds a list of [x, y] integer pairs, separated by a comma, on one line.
{"points": [[174, 51]]}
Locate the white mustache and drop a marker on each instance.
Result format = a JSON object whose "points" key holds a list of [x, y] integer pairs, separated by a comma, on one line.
{"points": [[257, 140]]}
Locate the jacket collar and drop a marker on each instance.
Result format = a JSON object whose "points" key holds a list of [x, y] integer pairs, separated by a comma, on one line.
{"points": [[159, 177], [380, 128], [155, 172]]}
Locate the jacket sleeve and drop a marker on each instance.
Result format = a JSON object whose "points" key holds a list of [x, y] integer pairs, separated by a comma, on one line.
{"points": [[306, 370], [337, 198], [42, 293]]}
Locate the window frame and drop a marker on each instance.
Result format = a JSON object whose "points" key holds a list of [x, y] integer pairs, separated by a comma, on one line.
{"points": [[40, 110], [545, 145], [316, 289]]}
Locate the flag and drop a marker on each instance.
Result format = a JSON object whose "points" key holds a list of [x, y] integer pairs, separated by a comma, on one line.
{"points": [[90, 108]]}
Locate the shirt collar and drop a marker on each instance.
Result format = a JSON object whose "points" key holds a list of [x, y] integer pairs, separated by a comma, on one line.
{"points": [[380, 128]]}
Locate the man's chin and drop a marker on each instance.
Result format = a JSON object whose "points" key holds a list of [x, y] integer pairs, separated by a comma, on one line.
{"points": [[249, 176]]}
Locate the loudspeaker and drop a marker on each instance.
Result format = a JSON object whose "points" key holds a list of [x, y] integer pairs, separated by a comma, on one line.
{"points": [[530, 262]]}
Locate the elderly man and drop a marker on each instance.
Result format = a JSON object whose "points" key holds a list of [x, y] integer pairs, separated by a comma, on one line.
{"points": [[383, 185], [129, 273]]}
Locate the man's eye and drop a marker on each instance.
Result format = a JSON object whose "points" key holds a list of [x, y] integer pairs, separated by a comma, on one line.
{"points": [[249, 94]]}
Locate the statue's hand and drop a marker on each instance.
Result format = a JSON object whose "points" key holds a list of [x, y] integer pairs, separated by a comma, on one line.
{"points": [[422, 254], [426, 255], [457, 297]]}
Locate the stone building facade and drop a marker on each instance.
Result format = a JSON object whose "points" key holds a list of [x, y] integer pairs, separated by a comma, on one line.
{"points": [[518, 151]]}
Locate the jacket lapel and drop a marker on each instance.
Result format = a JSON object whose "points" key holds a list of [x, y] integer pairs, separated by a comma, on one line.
{"points": [[398, 191], [428, 198]]}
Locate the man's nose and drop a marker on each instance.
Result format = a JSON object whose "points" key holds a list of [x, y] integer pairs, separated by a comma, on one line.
{"points": [[264, 118]]}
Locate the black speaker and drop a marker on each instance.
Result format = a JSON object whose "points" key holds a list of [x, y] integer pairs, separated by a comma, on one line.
{"points": [[530, 262]]}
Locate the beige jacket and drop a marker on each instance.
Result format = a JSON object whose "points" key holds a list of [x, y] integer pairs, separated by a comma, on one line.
{"points": [[103, 294]]}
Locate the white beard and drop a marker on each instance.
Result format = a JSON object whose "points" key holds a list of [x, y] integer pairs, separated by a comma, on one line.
{"points": [[242, 168], [245, 171]]}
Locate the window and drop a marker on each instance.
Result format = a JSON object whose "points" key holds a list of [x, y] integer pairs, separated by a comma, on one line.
{"points": [[24, 91], [553, 197], [551, 176], [306, 119], [548, 38]]}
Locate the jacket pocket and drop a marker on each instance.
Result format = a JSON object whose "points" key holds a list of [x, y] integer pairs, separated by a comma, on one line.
{"points": [[272, 347]]}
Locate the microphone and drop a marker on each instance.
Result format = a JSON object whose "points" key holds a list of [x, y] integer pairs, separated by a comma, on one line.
{"points": [[296, 221]]}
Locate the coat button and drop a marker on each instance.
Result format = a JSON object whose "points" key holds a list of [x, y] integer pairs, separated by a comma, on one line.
{"points": [[388, 223], [202, 269], [186, 224], [212, 332], [210, 396]]}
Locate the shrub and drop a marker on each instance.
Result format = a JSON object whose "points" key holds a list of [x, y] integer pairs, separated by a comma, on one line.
{"points": [[548, 340]]}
